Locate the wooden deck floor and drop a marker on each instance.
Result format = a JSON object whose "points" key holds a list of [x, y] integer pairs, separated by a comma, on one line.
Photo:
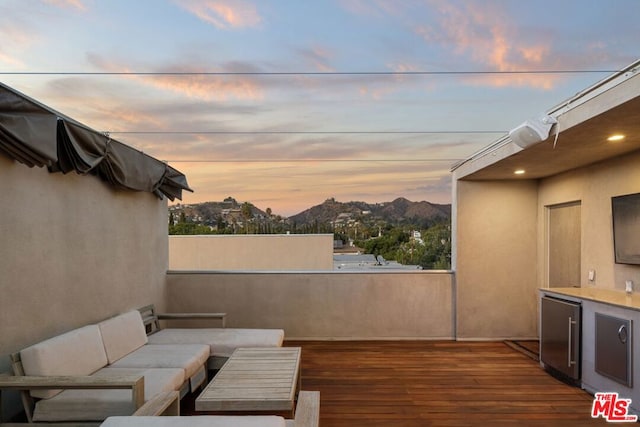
{"points": [[441, 383]]}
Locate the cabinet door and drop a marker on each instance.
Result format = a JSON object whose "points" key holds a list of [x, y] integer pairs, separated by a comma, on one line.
{"points": [[613, 348]]}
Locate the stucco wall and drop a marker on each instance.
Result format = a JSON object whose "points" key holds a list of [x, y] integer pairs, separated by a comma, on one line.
{"points": [[300, 252], [332, 305], [501, 241], [496, 272], [73, 251], [594, 186]]}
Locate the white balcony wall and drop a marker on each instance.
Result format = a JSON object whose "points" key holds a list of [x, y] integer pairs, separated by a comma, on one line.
{"points": [[251, 252], [319, 305], [496, 270]]}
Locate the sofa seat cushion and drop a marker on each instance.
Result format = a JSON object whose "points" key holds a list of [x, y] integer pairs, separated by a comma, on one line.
{"points": [[123, 334], [197, 421], [190, 357], [156, 380], [77, 352], [97, 405], [223, 341]]}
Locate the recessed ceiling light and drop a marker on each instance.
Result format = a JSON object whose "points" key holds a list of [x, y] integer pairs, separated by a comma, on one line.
{"points": [[616, 137], [519, 172]]}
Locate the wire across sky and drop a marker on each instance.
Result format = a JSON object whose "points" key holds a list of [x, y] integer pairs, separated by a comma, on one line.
{"points": [[287, 103]]}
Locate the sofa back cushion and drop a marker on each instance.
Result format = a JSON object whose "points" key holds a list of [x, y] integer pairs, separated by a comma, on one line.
{"points": [[77, 352], [123, 334]]}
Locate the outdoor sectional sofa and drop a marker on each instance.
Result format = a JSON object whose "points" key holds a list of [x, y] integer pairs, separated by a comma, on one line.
{"points": [[106, 369], [222, 341]]}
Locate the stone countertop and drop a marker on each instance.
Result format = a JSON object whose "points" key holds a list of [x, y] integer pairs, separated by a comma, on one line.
{"points": [[614, 297]]}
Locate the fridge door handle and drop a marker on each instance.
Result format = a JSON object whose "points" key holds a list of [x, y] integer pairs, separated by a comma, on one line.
{"points": [[570, 343]]}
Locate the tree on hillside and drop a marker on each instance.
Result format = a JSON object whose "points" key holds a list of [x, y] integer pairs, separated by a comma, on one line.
{"points": [[437, 242], [183, 227], [387, 244], [247, 214], [432, 253]]}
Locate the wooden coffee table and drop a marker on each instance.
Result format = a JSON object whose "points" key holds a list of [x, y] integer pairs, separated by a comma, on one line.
{"points": [[254, 379]]}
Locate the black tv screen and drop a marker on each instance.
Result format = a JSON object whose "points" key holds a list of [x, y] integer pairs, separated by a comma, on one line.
{"points": [[626, 228]]}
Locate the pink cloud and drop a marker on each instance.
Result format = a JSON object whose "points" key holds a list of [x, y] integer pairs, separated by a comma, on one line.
{"points": [[482, 33], [68, 4], [379, 8], [319, 57], [17, 37], [9, 60], [206, 87], [223, 14]]}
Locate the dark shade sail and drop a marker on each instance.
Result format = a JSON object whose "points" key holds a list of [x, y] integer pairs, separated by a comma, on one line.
{"points": [[36, 135]]}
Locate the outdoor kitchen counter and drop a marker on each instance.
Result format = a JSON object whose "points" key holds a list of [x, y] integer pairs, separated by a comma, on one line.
{"points": [[607, 307], [612, 297]]}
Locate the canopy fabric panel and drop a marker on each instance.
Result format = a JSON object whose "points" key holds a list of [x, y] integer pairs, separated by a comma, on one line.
{"points": [[79, 149], [36, 135], [27, 130]]}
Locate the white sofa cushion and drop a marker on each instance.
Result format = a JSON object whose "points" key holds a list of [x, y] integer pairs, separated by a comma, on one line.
{"points": [[197, 421], [222, 341], [189, 357], [123, 334], [77, 352], [156, 380], [97, 405]]}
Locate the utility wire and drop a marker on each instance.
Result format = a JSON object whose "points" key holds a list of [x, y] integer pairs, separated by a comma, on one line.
{"points": [[326, 160], [280, 132], [291, 73]]}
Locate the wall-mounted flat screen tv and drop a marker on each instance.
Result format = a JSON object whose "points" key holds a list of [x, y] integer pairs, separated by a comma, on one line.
{"points": [[626, 228]]}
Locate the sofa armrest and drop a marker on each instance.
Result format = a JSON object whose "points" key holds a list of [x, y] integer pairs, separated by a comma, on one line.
{"points": [[193, 316], [165, 403], [133, 382], [307, 409]]}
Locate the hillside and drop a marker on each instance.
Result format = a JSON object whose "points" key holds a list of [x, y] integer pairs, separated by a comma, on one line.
{"points": [[322, 217], [209, 213], [399, 211]]}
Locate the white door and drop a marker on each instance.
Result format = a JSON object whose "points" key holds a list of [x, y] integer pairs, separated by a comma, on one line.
{"points": [[564, 243]]}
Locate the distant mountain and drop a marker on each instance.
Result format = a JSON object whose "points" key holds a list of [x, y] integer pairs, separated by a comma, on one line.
{"points": [[398, 211]]}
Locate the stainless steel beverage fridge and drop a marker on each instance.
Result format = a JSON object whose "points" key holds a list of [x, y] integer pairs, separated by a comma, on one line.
{"points": [[560, 337]]}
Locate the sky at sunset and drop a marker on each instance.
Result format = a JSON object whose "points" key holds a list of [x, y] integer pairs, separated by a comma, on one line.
{"points": [[285, 103]]}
